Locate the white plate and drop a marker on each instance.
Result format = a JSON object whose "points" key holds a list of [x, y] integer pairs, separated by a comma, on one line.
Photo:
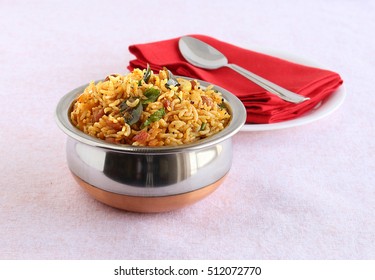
{"points": [[323, 109]]}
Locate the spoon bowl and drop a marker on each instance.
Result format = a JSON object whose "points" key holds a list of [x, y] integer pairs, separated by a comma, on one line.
{"points": [[201, 55]]}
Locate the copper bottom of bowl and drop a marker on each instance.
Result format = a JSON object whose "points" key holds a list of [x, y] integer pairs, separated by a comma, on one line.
{"points": [[148, 204]]}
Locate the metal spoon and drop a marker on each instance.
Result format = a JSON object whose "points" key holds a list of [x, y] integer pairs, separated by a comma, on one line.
{"points": [[203, 55]]}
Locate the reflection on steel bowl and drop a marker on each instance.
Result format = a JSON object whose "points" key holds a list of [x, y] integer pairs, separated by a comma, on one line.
{"points": [[144, 178]]}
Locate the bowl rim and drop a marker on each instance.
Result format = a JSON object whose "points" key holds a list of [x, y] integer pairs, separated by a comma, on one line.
{"points": [[237, 120]]}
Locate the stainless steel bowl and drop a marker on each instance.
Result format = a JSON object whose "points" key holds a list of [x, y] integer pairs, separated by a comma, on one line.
{"points": [[149, 179]]}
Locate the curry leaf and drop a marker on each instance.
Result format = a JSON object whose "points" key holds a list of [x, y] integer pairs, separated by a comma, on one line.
{"points": [[222, 105], [148, 73], [131, 114], [154, 117], [172, 81], [152, 95], [146, 76]]}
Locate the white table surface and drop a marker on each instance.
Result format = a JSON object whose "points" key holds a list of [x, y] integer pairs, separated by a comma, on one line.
{"points": [[300, 193]]}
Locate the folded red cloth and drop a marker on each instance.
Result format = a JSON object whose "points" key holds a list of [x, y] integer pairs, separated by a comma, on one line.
{"points": [[261, 106]]}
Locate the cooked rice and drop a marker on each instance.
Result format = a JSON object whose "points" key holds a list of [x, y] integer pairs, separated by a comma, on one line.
{"points": [[181, 113]]}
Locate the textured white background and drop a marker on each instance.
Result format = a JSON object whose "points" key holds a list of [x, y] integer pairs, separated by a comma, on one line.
{"points": [[299, 193]]}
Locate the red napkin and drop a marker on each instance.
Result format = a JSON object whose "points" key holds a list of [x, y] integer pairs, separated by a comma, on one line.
{"points": [[261, 106]]}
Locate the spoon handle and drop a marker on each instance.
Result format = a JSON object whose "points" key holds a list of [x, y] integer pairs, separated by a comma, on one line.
{"points": [[283, 93]]}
